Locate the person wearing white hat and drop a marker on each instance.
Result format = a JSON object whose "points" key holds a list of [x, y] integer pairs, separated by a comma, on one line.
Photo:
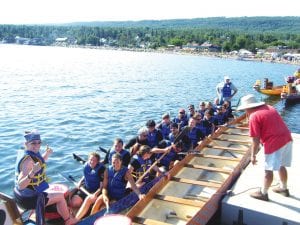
{"points": [[226, 90], [267, 127]]}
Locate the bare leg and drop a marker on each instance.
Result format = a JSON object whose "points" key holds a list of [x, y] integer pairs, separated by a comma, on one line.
{"points": [[84, 208], [267, 180], [62, 208], [97, 205], [283, 177]]}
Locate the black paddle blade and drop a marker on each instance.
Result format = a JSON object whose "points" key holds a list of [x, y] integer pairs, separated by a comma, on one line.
{"points": [[78, 158], [103, 150]]}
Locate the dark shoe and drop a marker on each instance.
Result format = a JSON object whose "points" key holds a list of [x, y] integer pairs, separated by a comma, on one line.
{"points": [[284, 192], [260, 196]]}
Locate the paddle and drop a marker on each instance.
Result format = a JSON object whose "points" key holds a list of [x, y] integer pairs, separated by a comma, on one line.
{"points": [[107, 208], [178, 138], [103, 150], [72, 179], [78, 158]]}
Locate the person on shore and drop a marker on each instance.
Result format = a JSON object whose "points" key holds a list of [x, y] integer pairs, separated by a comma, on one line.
{"points": [[90, 185], [226, 90], [117, 148], [114, 184], [267, 127], [31, 184]]}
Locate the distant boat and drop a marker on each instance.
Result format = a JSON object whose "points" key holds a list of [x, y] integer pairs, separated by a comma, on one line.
{"points": [[291, 92], [268, 88]]}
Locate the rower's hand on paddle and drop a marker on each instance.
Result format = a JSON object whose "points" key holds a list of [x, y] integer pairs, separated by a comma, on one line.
{"points": [[141, 196]]}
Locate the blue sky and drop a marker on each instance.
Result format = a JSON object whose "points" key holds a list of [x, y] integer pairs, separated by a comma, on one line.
{"points": [[62, 11]]}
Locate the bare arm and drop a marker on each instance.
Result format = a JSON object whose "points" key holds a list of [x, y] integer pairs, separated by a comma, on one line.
{"points": [[254, 149], [47, 153], [130, 179], [27, 171], [104, 186]]}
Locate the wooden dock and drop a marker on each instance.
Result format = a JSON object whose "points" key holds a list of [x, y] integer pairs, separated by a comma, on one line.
{"points": [[240, 209]]}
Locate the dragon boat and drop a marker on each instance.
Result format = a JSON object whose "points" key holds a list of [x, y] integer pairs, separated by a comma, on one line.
{"points": [[192, 192]]}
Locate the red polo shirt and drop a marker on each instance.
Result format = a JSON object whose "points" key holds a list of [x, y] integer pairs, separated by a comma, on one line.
{"points": [[266, 124]]}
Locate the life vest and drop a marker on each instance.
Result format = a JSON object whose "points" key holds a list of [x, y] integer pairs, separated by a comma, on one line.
{"points": [[193, 136], [220, 118], [111, 153], [171, 137], [226, 90], [91, 176], [144, 165], [207, 124], [167, 159], [165, 130], [152, 138], [116, 182], [39, 180], [181, 122]]}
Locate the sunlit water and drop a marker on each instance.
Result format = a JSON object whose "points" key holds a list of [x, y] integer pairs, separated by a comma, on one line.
{"points": [[82, 98]]}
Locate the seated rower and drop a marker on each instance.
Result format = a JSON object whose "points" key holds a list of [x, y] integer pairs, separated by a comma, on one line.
{"points": [[140, 163], [181, 119], [175, 132], [154, 135], [195, 134], [90, 185], [141, 138], [172, 157], [117, 148], [114, 184], [164, 126], [31, 184]]}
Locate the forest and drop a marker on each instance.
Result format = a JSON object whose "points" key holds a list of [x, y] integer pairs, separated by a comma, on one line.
{"points": [[229, 34]]}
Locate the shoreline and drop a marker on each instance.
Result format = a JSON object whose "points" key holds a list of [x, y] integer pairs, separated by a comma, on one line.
{"points": [[192, 53], [181, 52]]}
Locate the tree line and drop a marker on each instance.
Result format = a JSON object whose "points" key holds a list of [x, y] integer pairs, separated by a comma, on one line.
{"points": [[232, 34]]}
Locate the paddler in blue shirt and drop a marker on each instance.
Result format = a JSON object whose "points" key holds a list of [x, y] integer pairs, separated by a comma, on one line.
{"points": [[154, 135], [140, 163], [117, 148], [89, 186], [31, 184], [114, 184]]}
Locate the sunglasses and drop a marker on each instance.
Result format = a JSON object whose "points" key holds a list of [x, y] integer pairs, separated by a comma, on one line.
{"points": [[36, 143], [182, 112]]}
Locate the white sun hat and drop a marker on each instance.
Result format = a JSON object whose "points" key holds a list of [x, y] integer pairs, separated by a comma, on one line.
{"points": [[226, 78], [248, 102]]}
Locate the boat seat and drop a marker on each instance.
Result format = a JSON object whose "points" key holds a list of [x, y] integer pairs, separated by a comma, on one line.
{"points": [[10, 213]]}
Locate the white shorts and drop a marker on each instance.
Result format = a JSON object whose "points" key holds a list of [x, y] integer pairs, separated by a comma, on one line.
{"points": [[282, 157]]}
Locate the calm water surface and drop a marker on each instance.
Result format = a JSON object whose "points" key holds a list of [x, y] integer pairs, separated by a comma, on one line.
{"points": [[82, 98]]}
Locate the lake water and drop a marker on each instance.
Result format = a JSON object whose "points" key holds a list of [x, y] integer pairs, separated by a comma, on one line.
{"points": [[82, 98]]}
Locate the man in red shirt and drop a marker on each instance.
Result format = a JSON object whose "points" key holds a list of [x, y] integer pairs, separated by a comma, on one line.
{"points": [[267, 127]]}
